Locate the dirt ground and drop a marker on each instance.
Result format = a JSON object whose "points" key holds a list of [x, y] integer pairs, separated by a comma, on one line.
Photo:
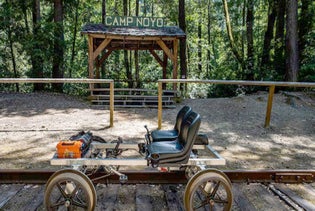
{"points": [[32, 124]]}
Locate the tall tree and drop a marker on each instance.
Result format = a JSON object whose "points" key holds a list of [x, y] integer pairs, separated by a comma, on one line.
{"points": [[230, 34], [126, 59], [199, 42], [9, 22], [279, 61], [265, 58], [137, 69], [73, 52], [209, 39], [305, 26], [250, 40], [292, 54], [182, 42], [103, 22], [36, 54], [58, 63]]}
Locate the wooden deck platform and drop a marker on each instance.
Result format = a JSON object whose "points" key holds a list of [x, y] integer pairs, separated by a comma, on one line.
{"points": [[253, 196]]}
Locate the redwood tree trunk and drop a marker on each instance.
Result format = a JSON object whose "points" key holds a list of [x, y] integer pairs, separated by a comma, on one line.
{"points": [[58, 64], [182, 42], [74, 37], [305, 26], [137, 69], [279, 62], [265, 60], [250, 40], [292, 53], [36, 57]]}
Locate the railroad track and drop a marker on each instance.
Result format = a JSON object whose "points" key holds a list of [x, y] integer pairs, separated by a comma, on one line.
{"points": [[8, 176], [252, 190]]}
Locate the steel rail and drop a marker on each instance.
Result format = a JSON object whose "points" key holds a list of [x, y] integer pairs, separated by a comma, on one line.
{"points": [[10, 176]]}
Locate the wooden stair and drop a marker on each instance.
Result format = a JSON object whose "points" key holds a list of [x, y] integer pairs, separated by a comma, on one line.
{"points": [[133, 98]]}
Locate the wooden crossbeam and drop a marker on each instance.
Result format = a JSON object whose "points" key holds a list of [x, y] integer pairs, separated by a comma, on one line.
{"points": [[166, 50], [101, 47], [158, 59]]}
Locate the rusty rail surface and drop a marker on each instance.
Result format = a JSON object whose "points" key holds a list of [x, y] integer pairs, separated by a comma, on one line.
{"points": [[8, 176]]}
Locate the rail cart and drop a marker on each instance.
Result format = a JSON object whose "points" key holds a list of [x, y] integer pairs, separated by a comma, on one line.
{"points": [[179, 149]]}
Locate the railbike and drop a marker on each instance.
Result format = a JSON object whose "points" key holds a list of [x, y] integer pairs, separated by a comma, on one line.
{"points": [[182, 148]]}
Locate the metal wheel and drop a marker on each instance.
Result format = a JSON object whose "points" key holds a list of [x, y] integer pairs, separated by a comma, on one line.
{"points": [[69, 189], [208, 190]]}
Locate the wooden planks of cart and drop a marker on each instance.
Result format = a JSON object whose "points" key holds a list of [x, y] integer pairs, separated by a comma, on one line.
{"points": [[181, 148]]}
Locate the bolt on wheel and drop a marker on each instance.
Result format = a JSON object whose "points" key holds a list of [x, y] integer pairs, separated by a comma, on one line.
{"points": [[69, 190], [208, 190]]}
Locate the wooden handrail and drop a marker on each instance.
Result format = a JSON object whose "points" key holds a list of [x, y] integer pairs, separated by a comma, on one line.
{"points": [[70, 80], [240, 82], [270, 84]]}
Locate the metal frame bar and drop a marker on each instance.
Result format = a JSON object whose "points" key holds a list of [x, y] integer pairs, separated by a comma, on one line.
{"points": [[270, 84], [214, 159], [69, 80]]}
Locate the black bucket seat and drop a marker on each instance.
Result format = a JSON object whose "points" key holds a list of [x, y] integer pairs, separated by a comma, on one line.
{"points": [[177, 151], [168, 135]]}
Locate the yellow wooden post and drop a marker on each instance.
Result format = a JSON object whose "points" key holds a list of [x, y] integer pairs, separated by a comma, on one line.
{"points": [[160, 105], [91, 62], [269, 105], [111, 103]]}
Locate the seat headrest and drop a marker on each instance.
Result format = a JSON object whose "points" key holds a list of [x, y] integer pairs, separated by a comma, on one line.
{"points": [[189, 128]]}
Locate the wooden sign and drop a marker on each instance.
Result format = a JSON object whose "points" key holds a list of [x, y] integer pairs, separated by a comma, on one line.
{"points": [[127, 21]]}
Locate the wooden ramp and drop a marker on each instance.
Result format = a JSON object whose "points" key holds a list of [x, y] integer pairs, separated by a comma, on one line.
{"points": [[133, 98], [254, 196]]}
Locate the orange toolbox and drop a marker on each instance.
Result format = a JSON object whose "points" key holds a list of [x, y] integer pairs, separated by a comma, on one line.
{"points": [[75, 147], [69, 149]]}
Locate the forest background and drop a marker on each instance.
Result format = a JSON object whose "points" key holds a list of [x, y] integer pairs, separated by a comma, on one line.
{"points": [[271, 40]]}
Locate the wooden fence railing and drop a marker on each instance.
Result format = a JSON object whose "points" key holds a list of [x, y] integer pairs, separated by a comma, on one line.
{"points": [[70, 80], [270, 84]]}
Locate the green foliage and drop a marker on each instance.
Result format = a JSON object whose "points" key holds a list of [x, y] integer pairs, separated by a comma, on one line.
{"points": [[217, 59]]}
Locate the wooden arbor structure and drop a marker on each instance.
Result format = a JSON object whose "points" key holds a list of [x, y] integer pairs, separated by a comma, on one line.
{"points": [[107, 39]]}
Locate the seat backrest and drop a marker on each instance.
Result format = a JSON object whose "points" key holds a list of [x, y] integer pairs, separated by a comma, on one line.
{"points": [[189, 130], [181, 115]]}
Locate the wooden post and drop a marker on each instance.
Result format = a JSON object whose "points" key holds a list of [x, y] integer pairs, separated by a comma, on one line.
{"points": [[160, 104], [91, 61], [111, 104], [175, 62], [164, 69], [269, 105]]}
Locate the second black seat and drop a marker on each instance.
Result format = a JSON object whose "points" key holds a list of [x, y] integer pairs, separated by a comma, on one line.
{"points": [[169, 135]]}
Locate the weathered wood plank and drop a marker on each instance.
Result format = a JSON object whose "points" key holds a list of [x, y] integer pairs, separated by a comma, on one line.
{"points": [[295, 197], [241, 202], [262, 198], [37, 201], [126, 197], [8, 192], [150, 197], [173, 196], [143, 200], [27, 195], [106, 197]]}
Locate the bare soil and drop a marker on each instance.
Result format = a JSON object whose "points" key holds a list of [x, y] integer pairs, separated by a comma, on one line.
{"points": [[32, 124]]}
